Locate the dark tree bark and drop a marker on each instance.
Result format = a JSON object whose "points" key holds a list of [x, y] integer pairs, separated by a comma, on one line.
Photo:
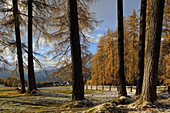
{"points": [[18, 44], [141, 52], [152, 56], [78, 85], [121, 73], [31, 74]]}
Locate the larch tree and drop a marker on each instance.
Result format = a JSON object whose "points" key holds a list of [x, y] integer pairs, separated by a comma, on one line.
{"points": [[22, 9], [148, 12], [165, 78], [131, 40], [110, 47], [121, 73], [104, 62], [31, 74], [101, 62], [165, 32], [65, 72], [94, 71], [98, 61], [5, 44], [141, 52], [166, 18], [164, 45], [78, 84], [58, 23], [152, 56], [18, 43]]}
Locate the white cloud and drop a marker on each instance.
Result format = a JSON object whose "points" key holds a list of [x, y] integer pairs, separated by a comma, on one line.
{"points": [[92, 39], [95, 40], [99, 35], [97, 28]]}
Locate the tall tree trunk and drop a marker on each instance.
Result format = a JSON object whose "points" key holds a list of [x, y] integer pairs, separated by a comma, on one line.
{"points": [[18, 43], [121, 73], [31, 74], [141, 52], [78, 85], [152, 56]]}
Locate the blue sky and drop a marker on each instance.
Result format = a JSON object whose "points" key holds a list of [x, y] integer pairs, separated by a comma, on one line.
{"points": [[106, 10]]}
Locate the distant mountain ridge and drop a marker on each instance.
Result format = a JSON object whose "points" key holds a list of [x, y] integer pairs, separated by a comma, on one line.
{"points": [[40, 75], [4, 73]]}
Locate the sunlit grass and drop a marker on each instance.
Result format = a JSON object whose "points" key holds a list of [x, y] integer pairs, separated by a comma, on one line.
{"points": [[58, 87], [7, 88], [11, 101], [87, 91], [57, 91]]}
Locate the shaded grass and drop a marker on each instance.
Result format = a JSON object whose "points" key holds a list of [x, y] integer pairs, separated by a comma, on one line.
{"points": [[12, 101], [87, 91], [57, 91]]}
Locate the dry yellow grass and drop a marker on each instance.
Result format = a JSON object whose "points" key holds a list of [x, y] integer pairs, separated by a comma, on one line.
{"points": [[11, 101]]}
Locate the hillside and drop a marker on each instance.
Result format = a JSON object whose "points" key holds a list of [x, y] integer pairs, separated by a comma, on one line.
{"points": [[40, 75]]}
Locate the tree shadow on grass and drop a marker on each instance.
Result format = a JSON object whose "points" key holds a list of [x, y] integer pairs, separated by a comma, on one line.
{"points": [[163, 101], [5, 90], [35, 103], [7, 97], [14, 96], [127, 110]]}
